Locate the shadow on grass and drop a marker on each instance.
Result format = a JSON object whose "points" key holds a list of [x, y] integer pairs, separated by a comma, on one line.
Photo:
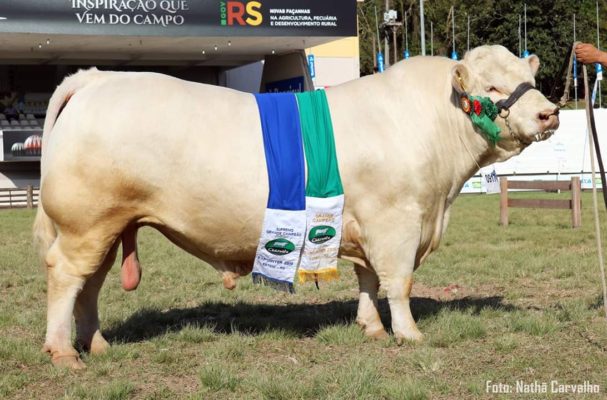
{"points": [[301, 320]]}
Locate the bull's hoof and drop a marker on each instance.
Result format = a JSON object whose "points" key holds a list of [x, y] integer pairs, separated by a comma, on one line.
{"points": [[96, 346], [377, 334], [411, 336], [99, 345], [229, 283], [68, 361]]}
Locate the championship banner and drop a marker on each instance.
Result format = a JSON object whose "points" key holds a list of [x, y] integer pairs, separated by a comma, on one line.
{"points": [[324, 191], [284, 224]]}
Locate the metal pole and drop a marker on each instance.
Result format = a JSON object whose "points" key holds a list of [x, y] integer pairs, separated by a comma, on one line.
{"points": [[453, 27], [379, 55], [386, 44], [453, 56], [394, 46], [377, 29], [431, 38], [525, 27], [574, 65], [422, 28], [406, 34], [374, 55], [468, 34], [598, 40], [520, 50], [598, 44]]}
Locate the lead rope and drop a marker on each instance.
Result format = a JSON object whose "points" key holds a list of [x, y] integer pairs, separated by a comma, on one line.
{"points": [[568, 65], [597, 226], [470, 153]]}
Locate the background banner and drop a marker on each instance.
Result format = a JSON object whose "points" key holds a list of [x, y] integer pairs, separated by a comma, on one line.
{"points": [[180, 17]]}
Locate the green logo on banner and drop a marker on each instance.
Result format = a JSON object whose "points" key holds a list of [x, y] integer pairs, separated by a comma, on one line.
{"points": [[321, 234], [223, 12], [280, 247]]}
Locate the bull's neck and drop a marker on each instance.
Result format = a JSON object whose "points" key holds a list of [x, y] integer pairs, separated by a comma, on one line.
{"points": [[420, 124], [469, 149]]}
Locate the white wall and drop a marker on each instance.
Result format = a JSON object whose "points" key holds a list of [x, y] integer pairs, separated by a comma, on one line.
{"points": [[331, 71], [562, 156]]}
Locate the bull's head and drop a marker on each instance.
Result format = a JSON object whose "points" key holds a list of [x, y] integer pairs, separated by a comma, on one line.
{"points": [[496, 73]]}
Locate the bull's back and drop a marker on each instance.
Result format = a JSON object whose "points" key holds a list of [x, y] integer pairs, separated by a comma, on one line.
{"points": [[179, 154]]}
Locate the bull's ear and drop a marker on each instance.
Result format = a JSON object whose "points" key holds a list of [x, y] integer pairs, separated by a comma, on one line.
{"points": [[461, 78], [534, 63]]}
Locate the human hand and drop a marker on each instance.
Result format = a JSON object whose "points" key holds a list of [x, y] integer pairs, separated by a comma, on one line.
{"points": [[587, 54]]}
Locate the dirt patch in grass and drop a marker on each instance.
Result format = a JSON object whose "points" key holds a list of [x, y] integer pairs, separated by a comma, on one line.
{"points": [[454, 291]]}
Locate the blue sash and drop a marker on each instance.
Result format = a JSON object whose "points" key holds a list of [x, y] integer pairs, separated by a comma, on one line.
{"points": [[284, 150], [284, 224]]}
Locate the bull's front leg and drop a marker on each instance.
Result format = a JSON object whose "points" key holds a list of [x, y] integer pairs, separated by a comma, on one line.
{"points": [[398, 289], [367, 315], [391, 248]]}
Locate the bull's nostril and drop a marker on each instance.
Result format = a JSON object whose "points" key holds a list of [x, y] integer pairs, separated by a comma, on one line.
{"points": [[545, 115]]}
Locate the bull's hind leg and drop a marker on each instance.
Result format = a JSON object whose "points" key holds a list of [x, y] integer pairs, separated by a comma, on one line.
{"points": [[368, 316], [71, 260], [88, 335]]}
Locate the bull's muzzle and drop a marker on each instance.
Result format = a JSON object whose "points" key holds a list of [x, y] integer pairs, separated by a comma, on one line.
{"points": [[548, 122], [549, 119]]}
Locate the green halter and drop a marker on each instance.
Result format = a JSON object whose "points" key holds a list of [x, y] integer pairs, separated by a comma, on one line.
{"points": [[482, 112]]}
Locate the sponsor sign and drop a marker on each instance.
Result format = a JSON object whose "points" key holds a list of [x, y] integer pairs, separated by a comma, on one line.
{"points": [[492, 183], [312, 66], [291, 85], [181, 17]]}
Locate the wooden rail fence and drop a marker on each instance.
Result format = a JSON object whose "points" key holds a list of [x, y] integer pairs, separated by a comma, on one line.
{"points": [[19, 197], [574, 204]]}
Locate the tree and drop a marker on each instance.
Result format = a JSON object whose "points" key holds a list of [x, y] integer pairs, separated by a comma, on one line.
{"points": [[549, 29]]}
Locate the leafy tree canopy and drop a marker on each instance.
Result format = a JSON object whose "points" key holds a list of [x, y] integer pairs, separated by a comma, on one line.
{"points": [[549, 29]]}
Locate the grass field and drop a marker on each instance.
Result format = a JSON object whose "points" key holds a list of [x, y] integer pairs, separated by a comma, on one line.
{"points": [[494, 303]]}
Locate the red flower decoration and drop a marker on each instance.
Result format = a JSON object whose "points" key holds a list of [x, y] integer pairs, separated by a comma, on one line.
{"points": [[477, 107]]}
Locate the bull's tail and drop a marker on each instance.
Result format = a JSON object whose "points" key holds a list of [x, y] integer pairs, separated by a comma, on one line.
{"points": [[62, 95], [44, 230]]}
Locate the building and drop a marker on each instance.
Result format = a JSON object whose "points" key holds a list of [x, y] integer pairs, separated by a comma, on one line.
{"points": [[250, 45]]}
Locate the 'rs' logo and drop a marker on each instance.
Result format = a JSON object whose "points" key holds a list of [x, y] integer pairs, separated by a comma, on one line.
{"points": [[240, 13]]}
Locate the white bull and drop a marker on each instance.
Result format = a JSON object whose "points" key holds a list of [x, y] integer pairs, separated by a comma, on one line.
{"points": [[134, 149]]}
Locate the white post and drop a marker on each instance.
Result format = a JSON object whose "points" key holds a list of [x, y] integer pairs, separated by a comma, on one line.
{"points": [[574, 65], [431, 38], [386, 44], [422, 28], [406, 34], [468, 34], [453, 26], [598, 46], [525, 27], [520, 50]]}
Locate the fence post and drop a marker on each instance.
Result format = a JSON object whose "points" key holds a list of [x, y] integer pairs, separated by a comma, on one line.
{"points": [[30, 196], [504, 201], [576, 204]]}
